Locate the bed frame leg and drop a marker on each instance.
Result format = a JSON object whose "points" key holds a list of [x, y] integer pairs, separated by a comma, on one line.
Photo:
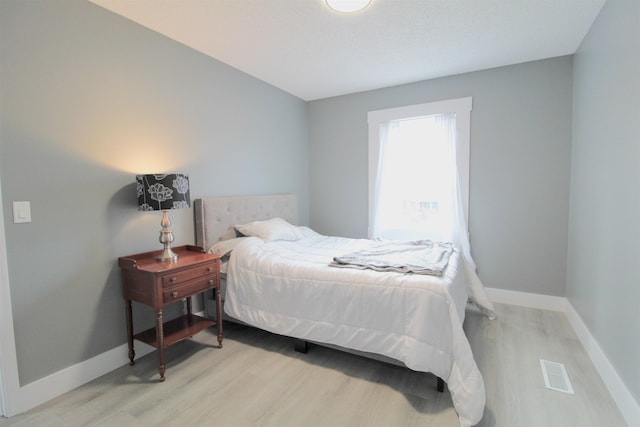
{"points": [[440, 385], [300, 346]]}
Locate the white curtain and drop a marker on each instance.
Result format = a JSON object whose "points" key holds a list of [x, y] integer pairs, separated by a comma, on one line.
{"points": [[417, 192]]}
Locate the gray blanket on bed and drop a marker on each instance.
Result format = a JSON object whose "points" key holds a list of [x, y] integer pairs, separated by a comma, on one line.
{"points": [[419, 257]]}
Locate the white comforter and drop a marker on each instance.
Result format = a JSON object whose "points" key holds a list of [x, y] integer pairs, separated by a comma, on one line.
{"points": [[288, 288]]}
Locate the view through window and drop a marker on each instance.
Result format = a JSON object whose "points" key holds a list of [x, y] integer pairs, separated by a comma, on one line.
{"points": [[419, 172]]}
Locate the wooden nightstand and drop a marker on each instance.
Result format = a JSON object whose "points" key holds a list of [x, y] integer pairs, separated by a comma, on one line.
{"points": [[158, 284]]}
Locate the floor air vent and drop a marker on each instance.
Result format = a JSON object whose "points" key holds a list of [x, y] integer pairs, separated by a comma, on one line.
{"points": [[555, 376]]}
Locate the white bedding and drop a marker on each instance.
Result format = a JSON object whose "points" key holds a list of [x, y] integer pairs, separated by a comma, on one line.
{"points": [[287, 287]]}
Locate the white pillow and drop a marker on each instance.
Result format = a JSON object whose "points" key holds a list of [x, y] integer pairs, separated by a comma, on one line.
{"points": [[307, 232], [271, 229], [224, 247]]}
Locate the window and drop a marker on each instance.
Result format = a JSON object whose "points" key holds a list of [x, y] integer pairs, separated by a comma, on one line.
{"points": [[419, 172]]}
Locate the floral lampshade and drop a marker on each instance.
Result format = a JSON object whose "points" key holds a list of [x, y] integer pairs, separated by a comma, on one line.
{"points": [[163, 192]]}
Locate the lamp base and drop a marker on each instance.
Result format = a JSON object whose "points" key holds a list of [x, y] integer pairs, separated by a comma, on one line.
{"points": [[167, 255], [166, 238]]}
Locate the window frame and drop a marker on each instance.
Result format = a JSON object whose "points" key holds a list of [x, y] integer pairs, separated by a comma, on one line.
{"points": [[460, 106]]}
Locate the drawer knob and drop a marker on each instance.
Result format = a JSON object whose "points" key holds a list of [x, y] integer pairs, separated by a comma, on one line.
{"points": [[209, 270], [174, 279], [211, 282], [174, 294]]}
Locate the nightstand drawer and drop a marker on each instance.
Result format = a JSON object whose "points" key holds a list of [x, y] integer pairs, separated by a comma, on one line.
{"points": [[186, 275], [185, 290]]}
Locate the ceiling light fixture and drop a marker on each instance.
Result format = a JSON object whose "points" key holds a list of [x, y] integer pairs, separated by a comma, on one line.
{"points": [[347, 6]]}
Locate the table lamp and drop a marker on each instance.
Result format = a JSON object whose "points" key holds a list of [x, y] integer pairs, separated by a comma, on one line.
{"points": [[161, 193]]}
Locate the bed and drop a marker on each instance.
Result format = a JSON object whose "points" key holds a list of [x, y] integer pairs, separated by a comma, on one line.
{"points": [[278, 278]]}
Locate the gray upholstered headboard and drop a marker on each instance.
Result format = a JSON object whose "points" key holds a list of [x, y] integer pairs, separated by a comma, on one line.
{"points": [[214, 216]]}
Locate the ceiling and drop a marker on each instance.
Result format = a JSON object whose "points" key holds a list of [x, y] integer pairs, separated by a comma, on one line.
{"points": [[303, 48]]}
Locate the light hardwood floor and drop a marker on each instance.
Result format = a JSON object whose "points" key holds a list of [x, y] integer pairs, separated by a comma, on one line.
{"points": [[258, 379]]}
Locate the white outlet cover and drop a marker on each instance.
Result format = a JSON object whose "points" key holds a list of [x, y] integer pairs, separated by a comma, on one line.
{"points": [[21, 212]]}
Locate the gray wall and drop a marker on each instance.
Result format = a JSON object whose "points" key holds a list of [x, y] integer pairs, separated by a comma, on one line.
{"points": [[603, 277], [89, 99], [520, 159]]}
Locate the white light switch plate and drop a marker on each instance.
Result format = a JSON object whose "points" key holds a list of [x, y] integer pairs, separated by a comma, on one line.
{"points": [[21, 212]]}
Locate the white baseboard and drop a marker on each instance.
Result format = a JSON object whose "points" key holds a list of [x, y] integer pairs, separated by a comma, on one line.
{"points": [[40, 391], [543, 302], [629, 408], [621, 395]]}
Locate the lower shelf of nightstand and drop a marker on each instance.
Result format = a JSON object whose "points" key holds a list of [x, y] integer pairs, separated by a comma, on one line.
{"points": [[175, 330]]}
